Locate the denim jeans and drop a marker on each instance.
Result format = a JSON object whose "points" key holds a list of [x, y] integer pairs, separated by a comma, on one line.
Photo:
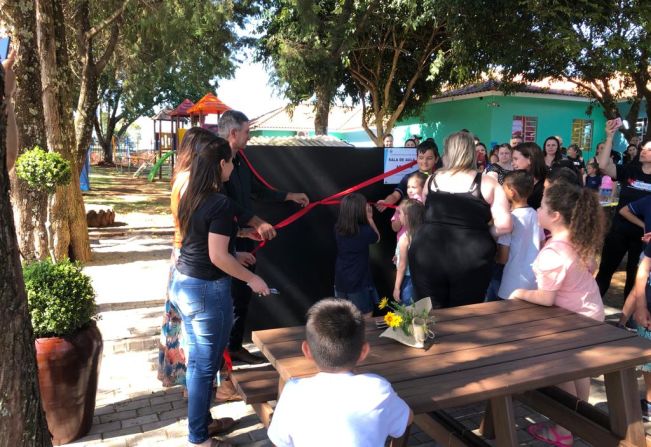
{"points": [[207, 311], [365, 299], [407, 291]]}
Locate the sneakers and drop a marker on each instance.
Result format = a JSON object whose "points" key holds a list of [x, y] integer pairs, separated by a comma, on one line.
{"points": [[646, 410]]}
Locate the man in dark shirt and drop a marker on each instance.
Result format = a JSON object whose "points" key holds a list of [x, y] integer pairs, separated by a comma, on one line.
{"points": [[242, 186]]}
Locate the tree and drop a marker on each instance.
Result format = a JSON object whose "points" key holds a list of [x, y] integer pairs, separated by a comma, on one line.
{"points": [[22, 423], [397, 61], [165, 55], [603, 47], [304, 42], [28, 203], [389, 56]]}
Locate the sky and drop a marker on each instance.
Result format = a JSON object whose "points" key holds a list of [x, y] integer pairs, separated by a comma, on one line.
{"points": [[248, 91]]}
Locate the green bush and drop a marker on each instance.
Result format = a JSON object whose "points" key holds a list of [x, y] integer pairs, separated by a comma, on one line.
{"points": [[42, 170], [60, 296]]}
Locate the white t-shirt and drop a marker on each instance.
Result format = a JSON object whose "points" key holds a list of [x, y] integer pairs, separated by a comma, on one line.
{"points": [[343, 409], [524, 243]]}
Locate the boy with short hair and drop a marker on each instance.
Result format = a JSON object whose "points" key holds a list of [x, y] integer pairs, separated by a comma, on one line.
{"points": [[519, 248], [337, 407], [427, 157]]}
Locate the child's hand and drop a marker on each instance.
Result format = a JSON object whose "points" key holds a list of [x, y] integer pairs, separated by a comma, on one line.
{"points": [[646, 238], [250, 233], [380, 205], [396, 294]]}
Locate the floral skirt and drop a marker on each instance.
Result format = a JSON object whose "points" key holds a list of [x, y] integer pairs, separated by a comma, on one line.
{"points": [[171, 350]]}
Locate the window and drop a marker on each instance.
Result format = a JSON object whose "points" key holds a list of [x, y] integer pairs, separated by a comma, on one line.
{"points": [[582, 133], [641, 127], [525, 127]]}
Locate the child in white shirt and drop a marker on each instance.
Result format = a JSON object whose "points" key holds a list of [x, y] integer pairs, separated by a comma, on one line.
{"points": [[337, 407], [519, 248]]}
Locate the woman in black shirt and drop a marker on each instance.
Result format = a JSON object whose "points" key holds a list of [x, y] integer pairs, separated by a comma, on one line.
{"points": [[623, 237], [201, 281]]}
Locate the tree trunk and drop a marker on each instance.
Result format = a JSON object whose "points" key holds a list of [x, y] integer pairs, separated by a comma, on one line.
{"points": [[22, 423], [69, 217], [631, 117], [322, 109], [29, 206]]}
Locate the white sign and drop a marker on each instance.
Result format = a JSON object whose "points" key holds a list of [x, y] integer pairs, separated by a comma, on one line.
{"points": [[398, 156]]}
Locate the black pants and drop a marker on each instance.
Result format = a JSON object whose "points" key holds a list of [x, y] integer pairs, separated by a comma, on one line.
{"points": [[453, 266], [621, 239], [241, 294]]}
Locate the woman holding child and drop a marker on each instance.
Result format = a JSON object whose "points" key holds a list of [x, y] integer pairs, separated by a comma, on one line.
{"points": [[200, 287], [464, 212]]}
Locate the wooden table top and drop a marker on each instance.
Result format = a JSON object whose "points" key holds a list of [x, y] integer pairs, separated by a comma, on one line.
{"points": [[482, 351]]}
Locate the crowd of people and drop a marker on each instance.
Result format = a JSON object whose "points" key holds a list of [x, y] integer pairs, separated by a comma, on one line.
{"points": [[522, 222]]}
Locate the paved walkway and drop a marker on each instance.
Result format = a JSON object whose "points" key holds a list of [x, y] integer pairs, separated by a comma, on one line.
{"points": [[133, 409]]}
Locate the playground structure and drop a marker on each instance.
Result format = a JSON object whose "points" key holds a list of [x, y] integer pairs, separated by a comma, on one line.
{"points": [[182, 117]]}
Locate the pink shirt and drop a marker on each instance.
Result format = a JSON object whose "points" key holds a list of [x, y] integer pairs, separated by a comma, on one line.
{"points": [[558, 268]]}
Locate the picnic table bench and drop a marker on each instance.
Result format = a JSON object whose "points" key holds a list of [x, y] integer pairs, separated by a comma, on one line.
{"points": [[257, 386], [494, 352]]}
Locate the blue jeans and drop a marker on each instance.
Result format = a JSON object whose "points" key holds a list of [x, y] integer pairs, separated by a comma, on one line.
{"points": [[365, 299], [494, 285], [207, 311], [407, 291]]}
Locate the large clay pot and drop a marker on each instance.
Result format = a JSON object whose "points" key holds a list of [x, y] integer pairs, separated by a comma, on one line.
{"points": [[68, 369]]}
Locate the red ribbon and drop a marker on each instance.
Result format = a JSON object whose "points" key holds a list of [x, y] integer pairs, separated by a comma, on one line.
{"points": [[331, 200], [256, 173]]}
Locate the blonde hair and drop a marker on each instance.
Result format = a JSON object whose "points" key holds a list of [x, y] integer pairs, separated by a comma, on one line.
{"points": [[459, 152]]}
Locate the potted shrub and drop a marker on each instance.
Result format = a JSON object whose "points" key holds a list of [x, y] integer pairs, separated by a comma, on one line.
{"points": [[69, 346]]}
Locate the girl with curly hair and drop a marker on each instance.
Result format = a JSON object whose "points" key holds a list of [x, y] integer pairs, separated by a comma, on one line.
{"points": [[563, 271]]}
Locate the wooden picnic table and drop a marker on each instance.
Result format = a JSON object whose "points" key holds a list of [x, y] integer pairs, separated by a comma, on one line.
{"points": [[494, 352]]}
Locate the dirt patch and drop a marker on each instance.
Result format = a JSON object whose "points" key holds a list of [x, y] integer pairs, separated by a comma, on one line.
{"points": [[127, 194]]}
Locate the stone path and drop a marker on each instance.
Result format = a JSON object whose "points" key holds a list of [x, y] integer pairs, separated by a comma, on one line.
{"points": [[133, 409]]}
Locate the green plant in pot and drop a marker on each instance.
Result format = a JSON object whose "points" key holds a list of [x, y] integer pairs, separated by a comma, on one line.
{"points": [[61, 303], [69, 346]]}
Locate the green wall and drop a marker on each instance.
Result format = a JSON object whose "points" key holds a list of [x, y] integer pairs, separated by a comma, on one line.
{"points": [[273, 133], [490, 118]]}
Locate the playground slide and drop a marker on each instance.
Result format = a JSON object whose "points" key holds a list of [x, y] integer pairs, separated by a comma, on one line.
{"points": [[157, 166]]}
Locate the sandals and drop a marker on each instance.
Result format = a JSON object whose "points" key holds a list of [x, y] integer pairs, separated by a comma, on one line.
{"points": [[558, 440], [221, 426]]}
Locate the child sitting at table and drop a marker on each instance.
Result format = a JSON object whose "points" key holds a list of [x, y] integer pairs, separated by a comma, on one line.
{"points": [[563, 270], [337, 407]]}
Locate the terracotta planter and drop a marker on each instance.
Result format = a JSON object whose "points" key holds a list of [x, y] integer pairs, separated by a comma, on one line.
{"points": [[68, 369]]}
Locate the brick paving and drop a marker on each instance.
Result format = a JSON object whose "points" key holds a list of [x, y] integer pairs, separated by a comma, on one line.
{"points": [[133, 409]]}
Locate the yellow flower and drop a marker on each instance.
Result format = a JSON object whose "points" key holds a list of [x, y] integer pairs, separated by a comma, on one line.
{"points": [[384, 302], [392, 319]]}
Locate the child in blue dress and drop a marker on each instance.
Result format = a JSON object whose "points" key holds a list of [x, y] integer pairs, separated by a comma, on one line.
{"points": [[354, 232]]}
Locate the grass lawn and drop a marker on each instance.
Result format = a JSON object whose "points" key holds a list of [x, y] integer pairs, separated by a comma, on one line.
{"points": [[126, 194]]}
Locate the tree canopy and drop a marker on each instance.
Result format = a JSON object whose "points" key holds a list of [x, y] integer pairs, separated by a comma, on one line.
{"points": [[167, 54]]}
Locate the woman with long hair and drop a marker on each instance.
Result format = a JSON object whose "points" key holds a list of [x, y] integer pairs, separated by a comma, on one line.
{"points": [[552, 151], [528, 156], [171, 351], [451, 255], [200, 287]]}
